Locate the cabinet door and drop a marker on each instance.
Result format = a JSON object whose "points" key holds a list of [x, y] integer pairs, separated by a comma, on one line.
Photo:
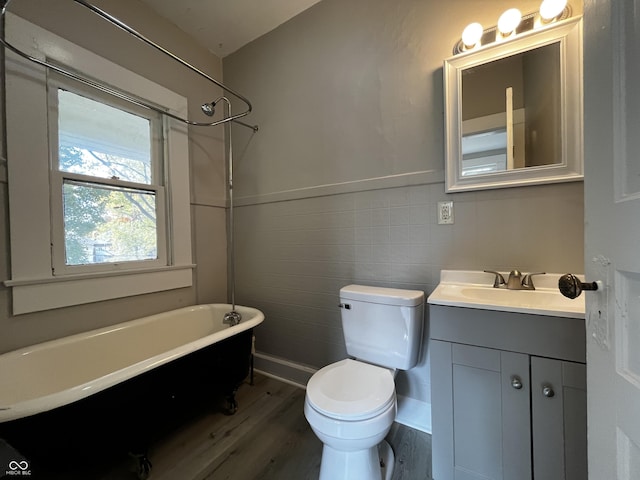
{"points": [[481, 413], [559, 419]]}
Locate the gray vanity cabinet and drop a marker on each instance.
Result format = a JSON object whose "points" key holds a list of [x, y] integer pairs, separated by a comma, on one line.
{"points": [[501, 407]]}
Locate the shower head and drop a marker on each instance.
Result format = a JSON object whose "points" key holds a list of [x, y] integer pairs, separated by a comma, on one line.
{"points": [[209, 108]]}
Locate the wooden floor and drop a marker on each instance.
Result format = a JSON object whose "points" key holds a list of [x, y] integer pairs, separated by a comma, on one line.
{"points": [[267, 439]]}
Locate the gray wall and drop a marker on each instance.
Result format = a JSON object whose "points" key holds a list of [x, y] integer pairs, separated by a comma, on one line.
{"points": [[340, 184], [206, 151]]}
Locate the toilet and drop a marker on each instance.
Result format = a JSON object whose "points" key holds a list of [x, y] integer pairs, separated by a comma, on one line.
{"points": [[351, 404]]}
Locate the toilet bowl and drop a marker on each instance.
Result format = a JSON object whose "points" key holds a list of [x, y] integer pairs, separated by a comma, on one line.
{"points": [[351, 404], [352, 422]]}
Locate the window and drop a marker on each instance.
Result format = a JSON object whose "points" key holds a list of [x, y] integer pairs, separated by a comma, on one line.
{"points": [[98, 187], [107, 192]]}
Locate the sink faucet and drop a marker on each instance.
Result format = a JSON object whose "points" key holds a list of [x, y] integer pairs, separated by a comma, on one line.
{"points": [[516, 280], [499, 280], [527, 281]]}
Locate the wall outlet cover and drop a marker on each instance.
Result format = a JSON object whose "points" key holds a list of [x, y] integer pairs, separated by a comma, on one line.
{"points": [[445, 213]]}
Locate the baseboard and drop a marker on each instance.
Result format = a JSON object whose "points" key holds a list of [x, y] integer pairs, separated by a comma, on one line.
{"points": [[280, 379], [284, 370], [414, 413]]}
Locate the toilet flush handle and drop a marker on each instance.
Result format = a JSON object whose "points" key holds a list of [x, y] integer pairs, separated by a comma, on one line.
{"points": [[346, 306]]}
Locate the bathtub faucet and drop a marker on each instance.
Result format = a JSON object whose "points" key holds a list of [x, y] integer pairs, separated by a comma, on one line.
{"points": [[232, 318]]}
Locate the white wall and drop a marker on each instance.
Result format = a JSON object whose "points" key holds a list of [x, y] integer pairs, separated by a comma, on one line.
{"points": [[340, 185]]}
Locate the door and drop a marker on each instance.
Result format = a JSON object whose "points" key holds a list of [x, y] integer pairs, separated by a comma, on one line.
{"points": [[558, 419], [482, 430], [612, 235]]}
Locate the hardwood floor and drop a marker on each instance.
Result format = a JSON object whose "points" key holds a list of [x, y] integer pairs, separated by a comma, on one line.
{"points": [[267, 439]]}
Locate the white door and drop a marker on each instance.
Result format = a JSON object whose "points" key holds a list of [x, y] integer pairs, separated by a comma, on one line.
{"points": [[612, 235]]}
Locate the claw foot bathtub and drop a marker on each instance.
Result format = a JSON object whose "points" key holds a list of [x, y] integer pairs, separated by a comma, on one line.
{"points": [[113, 388]]}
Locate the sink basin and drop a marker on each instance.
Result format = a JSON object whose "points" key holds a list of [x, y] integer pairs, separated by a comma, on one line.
{"points": [[459, 288]]}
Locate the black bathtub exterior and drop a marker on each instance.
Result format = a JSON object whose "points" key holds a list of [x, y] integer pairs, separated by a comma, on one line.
{"points": [[128, 416]]}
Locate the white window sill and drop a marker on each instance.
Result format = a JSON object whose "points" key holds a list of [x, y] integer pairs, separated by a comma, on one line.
{"points": [[35, 295]]}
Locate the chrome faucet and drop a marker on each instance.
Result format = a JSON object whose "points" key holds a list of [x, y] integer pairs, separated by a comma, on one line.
{"points": [[232, 318], [527, 281], [499, 280], [516, 280]]}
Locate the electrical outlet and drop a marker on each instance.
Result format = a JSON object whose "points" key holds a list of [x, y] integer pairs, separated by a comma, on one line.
{"points": [[445, 213]]}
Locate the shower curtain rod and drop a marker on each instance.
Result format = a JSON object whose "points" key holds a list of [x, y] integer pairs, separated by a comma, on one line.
{"points": [[105, 88]]}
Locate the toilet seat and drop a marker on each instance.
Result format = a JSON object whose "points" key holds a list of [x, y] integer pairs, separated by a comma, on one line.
{"points": [[351, 390]]}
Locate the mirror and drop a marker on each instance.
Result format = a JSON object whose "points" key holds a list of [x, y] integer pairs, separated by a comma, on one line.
{"points": [[514, 111]]}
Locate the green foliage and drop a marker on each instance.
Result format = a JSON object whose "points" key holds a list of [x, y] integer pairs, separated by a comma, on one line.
{"points": [[82, 211], [105, 224], [131, 225]]}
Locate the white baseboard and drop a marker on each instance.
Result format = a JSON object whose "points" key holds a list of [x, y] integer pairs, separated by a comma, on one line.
{"points": [[414, 413], [280, 379], [284, 370]]}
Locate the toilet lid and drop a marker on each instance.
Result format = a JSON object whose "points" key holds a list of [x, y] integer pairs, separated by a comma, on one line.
{"points": [[351, 390]]}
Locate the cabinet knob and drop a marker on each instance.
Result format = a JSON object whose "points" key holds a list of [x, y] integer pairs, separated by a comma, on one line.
{"points": [[516, 382], [547, 391]]}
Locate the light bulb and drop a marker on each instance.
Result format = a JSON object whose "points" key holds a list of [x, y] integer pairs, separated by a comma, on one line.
{"points": [[509, 21], [472, 34], [550, 9]]}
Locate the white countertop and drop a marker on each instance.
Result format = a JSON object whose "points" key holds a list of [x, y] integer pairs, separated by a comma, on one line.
{"points": [[474, 289]]}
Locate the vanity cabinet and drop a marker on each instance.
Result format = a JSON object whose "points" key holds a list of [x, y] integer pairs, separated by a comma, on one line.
{"points": [[508, 395]]}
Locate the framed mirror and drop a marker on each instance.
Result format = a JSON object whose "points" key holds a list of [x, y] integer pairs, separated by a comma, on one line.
{"points": [[513, 111]]}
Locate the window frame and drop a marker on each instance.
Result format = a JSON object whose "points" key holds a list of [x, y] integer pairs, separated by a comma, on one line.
{"points": [[55, 82], [33, 283]]}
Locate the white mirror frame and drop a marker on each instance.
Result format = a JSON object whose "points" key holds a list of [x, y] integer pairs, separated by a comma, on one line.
{"points": [[569, 35]]}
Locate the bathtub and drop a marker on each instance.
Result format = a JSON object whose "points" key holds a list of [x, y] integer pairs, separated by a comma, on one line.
{"points": [[133, 374]]}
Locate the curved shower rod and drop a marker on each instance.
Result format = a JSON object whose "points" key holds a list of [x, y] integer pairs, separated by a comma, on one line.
{"points": [[105, 88]]}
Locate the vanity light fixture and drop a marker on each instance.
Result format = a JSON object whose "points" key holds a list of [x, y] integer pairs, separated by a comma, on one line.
{"points": [[472, 34], [509, 21], [510, 24], [550, 9]]}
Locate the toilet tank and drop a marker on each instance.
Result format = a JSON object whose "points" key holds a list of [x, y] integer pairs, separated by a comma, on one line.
{"points": [[383, 326]]}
